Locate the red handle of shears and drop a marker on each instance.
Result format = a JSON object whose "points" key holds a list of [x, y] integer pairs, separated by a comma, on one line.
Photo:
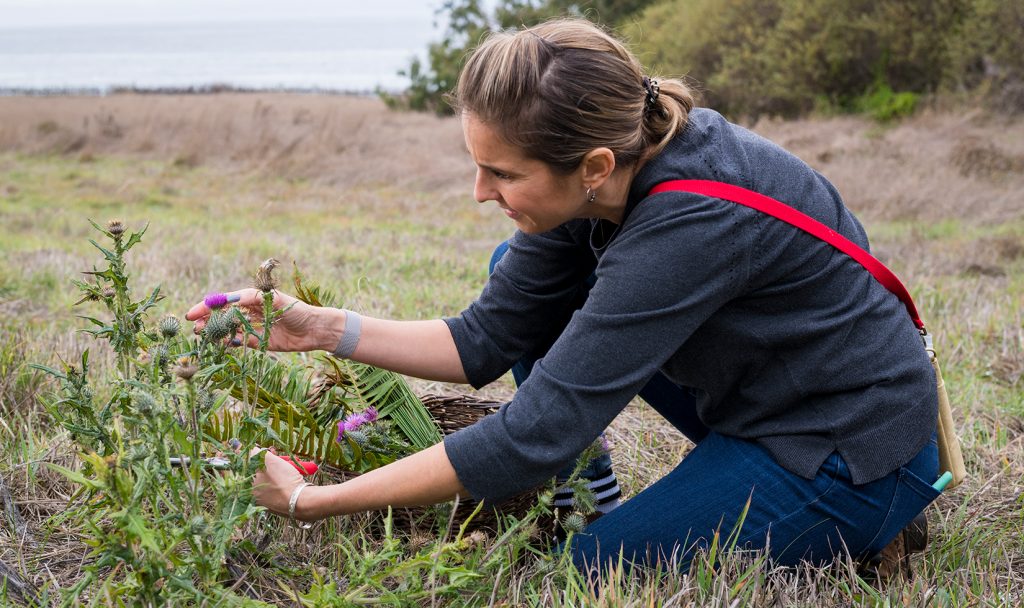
{"points": [[305, 467]]}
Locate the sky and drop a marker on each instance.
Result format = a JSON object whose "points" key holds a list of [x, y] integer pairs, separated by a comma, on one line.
{"points": [[27, 13]]}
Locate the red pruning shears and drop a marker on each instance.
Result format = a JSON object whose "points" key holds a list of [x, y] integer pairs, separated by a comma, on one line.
{"points": [[305, 467]]}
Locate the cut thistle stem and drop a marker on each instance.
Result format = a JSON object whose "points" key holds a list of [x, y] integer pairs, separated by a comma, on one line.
{"points": [[194, 407], [268, 319]]}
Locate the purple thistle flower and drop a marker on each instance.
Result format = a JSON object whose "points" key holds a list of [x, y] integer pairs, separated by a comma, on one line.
{"points": [[218, 300], [355, 420], [215, 300]]}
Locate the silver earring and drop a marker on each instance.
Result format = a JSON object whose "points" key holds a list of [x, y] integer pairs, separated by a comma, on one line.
{"points": [[591, 195]]}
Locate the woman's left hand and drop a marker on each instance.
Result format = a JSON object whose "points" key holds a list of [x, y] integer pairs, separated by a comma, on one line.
{"points": [[301, 327]]}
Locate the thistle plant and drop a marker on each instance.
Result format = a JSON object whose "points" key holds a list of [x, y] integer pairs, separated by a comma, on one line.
{"points": [[74, 409], [125, 330], [162, 526], [584, 500], [160, 534]]}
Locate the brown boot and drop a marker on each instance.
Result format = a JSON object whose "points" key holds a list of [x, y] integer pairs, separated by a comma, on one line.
{"points": [[894, 559]]}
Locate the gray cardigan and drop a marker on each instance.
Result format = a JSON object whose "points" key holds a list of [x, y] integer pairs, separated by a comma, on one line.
{"points": [[789, 342]]}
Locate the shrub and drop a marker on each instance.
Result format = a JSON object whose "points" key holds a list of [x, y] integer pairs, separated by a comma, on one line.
{"points": [[785, 56], [884, 105], [987, 53]]}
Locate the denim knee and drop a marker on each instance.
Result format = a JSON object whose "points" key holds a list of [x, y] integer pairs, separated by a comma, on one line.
{"points": [[729, 485], [499, 252]]}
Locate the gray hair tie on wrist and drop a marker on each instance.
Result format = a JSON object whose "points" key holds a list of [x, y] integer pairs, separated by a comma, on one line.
{"points": [[349, 339]]}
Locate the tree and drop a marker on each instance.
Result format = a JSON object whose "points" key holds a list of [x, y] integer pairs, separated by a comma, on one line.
{"points": [[468, 24]]}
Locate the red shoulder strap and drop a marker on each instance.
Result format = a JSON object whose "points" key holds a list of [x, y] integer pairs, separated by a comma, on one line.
{"points": [[804, 222]]}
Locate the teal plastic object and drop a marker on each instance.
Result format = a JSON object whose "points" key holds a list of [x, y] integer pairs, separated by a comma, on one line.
{"points": [[943, 481]]}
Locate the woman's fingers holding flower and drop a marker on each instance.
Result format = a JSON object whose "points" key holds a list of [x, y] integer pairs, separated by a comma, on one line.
{"points": [[291, 329], [250, 301], [202, 310]]}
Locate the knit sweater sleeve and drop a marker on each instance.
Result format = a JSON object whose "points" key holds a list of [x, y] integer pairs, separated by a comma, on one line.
{"points": [[656, 283], [524, 298]]}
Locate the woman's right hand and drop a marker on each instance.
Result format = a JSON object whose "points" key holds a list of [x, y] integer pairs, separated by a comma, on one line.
{"points": [[274, 483], [301, 328]]}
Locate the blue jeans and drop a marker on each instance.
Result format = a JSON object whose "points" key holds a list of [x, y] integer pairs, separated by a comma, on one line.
{"points": [[795, 519]]}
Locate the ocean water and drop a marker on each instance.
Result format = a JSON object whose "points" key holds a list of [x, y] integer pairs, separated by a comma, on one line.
{"points": [[356, 54]]}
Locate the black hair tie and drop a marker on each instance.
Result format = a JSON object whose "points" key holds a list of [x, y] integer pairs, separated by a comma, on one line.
{"points": [[651, 86]]}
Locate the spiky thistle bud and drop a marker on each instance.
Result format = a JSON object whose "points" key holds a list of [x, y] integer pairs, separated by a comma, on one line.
{"points": [[169, 326], [186, 368], [108, 293], [144, 403], [115, 227], [204, 399], [160, 354], [220, 325], [91, 292], [264, 280], [476, 538], [359, 437], [574, 522], [356, 420]]}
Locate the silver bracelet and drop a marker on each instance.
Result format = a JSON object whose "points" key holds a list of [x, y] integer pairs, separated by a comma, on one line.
{"points": [[292, 501], [349, 339]]}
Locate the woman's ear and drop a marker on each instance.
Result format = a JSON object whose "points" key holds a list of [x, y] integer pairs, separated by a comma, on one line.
{"points": [[597, 166]]}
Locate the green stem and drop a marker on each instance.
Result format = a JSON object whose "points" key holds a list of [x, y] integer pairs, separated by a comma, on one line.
{"points": [[196, 435], [268, 319], [121, 309]]}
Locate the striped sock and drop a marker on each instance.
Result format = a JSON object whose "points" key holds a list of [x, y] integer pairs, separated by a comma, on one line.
{"points": [[605, 488]]}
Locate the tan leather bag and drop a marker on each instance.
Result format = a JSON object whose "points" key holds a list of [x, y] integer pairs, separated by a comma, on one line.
{"points": [[951, 458]]}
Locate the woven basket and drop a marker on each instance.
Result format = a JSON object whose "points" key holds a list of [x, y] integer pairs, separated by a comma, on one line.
{"points": [[453, 412]]}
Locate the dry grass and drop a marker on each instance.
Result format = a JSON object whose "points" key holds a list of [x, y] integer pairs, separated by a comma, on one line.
{"points": [[933, 166], [378, 206], [338, 140]]}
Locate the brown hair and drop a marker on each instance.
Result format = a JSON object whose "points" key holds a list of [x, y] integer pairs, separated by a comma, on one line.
{"points": [[565, 87]]}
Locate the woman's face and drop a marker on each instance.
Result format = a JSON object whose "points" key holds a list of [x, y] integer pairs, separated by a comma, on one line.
{"points": [[536, 198]]}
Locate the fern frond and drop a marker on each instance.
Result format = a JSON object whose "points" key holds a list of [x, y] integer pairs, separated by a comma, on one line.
{"points": [[312, 294], [317, 444], [371, 386], [288, 398]]}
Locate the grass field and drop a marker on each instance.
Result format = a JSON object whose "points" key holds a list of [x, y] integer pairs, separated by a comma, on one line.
{"points": [[377, 206]]}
